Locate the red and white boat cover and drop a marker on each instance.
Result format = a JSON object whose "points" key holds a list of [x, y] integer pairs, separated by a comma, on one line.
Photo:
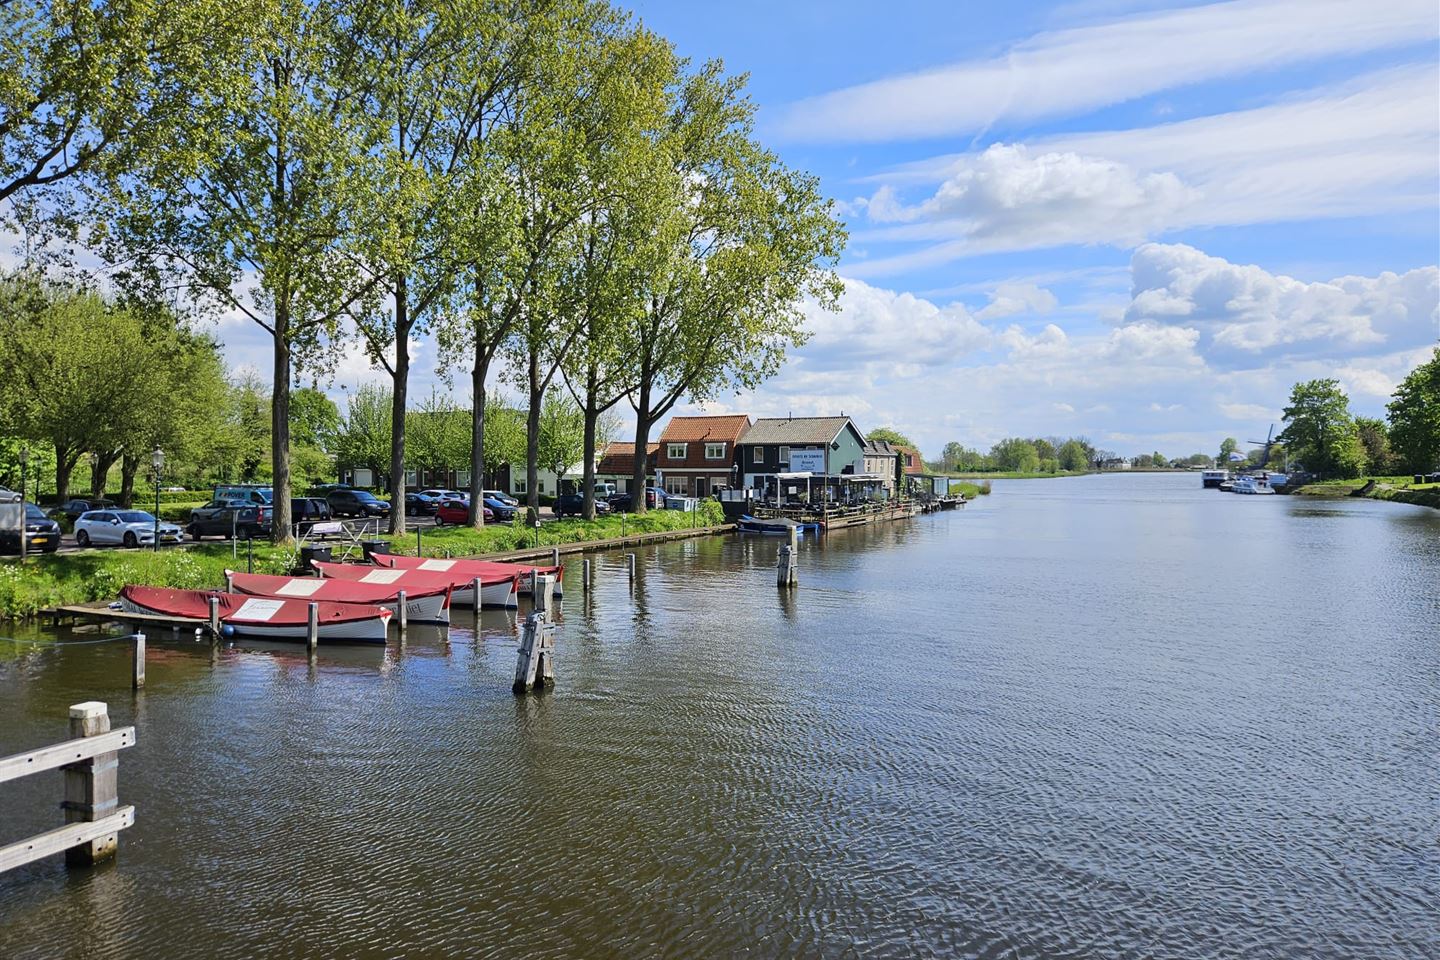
{"points": [[262, 616], [497, 588], [470, 568], [422, 604]]}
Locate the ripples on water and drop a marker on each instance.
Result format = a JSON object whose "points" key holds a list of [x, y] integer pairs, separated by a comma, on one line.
{"points": [[1112, 716]]}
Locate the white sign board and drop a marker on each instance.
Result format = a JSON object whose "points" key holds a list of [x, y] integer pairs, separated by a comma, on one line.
{"points": [[807, 461], [382, 576], [259, 610], [301, 587], [436, 565]]}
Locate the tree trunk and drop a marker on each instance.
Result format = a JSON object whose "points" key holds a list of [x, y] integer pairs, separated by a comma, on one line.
{"points": [[532, 438], [129, 467], [100, 472], [280, 426], [478, 374], [397, 407], [642, 440], [64, 466]]}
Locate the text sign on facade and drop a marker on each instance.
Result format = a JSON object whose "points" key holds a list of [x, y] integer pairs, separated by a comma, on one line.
{"points": [[807, 461]]}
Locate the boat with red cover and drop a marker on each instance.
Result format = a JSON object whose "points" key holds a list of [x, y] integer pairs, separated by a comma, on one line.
{"points": [[470, 568], [422, 605], [497, 589], [264, 618]]}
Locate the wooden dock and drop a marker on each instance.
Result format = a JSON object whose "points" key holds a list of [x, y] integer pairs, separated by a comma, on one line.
{"points": [[103, 613]]}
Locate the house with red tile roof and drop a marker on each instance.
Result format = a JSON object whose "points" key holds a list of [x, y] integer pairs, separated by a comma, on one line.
{"points": [[697, 454], [617, 464], [910, 460]]}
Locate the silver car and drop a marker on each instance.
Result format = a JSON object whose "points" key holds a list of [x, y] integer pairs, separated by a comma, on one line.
{"points": [[8, 496], [130, 528]]}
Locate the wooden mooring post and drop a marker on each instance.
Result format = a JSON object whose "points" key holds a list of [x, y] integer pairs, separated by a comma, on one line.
{"points": [[214, 619], [554, 556], [93, 816], [402, 612], [585, 575], [229, 582], [475, 607], [535, 663], [631, 558], [787, 564], [137, 661], [312, 628]]}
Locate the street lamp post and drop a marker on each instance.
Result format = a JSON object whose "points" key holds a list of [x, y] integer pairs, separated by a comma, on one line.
{"points": [[157, 460], [24, 462]]}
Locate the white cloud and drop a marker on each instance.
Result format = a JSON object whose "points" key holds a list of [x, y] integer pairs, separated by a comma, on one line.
{"points": [[1365, 147], [1010, 298], [1246, 310], [881, 326], [1248, 411], [1080, 69]]}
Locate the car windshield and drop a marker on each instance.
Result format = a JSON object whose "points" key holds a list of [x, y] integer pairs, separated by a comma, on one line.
{"points": [[33, 512], [135, 516], [365, 495]]}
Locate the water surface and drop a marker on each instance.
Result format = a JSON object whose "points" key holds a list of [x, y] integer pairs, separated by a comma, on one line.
{"points": [[1110, 716]]}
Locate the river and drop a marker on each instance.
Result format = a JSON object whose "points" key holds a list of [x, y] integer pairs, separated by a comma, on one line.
{"points": [[1107, 716]]}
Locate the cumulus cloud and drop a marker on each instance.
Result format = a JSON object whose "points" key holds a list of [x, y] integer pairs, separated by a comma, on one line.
{"points": [[1010, 298], [1244, 309], [882, 326], [1080, 69]]}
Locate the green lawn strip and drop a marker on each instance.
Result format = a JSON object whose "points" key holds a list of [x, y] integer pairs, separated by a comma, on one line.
{"points": [[461, 541]]}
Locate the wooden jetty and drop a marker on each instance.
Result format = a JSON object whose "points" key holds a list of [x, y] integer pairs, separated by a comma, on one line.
{"points": [[836, 517], [93, 814]]}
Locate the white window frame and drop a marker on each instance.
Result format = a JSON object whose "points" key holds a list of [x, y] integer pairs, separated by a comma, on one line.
{"points": [[757, 456], [784, 456], [518, 485], [676, 485], [670, 449], [714, 451]]}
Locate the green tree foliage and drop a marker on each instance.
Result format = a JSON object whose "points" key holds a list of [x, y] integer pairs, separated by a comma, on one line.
{"points": [[1015, 453], [439, 435], [314, 419], [364, 436], [249, 209], [1414, 413], [238, 449], [1374, 437], [893, 436], [1320, 432], [562, 433], [136, 381], [1073, 455], [504, 434], [1227, 446]]}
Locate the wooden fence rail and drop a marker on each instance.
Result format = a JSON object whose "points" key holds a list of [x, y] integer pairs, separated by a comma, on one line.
{"points": [[93, 815]]}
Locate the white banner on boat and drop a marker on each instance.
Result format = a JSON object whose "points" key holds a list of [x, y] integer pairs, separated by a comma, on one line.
{"points": [[382, 576], [436, 565], [301, 587], [257, 609]]}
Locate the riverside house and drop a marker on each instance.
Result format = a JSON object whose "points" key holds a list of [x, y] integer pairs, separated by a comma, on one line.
{"points": [[617, 464], [697, 454], [880, 459], [819, 457]]}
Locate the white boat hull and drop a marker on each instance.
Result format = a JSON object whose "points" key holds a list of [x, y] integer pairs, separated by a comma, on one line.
{"points": [[356, 631], [491, 595], [425, 610]]}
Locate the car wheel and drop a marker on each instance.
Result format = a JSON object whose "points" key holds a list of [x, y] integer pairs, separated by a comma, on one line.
{"points": [[82, 538], [131, 540], [193, 532]]}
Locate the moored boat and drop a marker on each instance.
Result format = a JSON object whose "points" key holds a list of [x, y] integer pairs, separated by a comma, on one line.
{"points": [[472, 568], [423, 605], [497, 589], [778, 527], [1214, 478], [263, 618], [1252, 486]]}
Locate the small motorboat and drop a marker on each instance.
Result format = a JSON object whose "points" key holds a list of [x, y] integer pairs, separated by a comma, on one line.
{"points": [[1228, 486], [263, 618], [1214, 478], [472, 568], [497, 589], [422, 605], [778, 527], [1252, 485]]}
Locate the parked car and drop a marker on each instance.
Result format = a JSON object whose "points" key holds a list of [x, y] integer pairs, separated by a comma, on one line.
{"points": [[130, 528], [9, 496], [502, 496], [357, 503], [503, 512], [41, 533], [420, 505], [654, 500], [458, 512], [72, 509], [221, 518], [250, 492], [440, 495], [573, 504], [308, 510]]}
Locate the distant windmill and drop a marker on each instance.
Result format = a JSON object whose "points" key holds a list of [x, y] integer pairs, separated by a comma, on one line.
{"points": [[1267, 443]]}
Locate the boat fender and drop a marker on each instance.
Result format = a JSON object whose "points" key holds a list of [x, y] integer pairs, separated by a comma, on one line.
{"points": [[227, 630]]}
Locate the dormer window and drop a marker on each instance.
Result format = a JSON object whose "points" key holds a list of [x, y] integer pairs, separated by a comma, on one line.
{"points": [[675, 451], [714, 451]]}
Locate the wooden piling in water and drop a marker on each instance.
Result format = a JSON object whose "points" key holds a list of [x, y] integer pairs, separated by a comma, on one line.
{"points": [[631, 557], [786, 568], [542, 594], [312, 628], [475, 586], [585, 575], [401, 611], [229, 582], [137, 662], [554, 556], [91, 785], [534, 664], [214, 619]]}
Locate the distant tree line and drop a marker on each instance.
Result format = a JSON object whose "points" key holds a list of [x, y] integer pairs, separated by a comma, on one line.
{"points": [[539, 185]]}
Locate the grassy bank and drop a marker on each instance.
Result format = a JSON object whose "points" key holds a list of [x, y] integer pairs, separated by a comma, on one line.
{"points": [[1394, 489], [52, 580]]}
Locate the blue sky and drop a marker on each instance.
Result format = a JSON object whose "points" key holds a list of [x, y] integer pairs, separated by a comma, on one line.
{"points": [[1141, 222]]}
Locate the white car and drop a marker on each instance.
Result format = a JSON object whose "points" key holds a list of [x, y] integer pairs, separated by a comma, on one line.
{"points": [[8, 496], [130, 528], [504, 498]]}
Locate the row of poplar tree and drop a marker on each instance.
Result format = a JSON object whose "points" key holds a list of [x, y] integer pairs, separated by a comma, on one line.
{"points": [[539, 185]]}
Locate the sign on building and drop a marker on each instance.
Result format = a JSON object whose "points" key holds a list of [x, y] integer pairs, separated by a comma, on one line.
{"points": [[807, 461]]}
